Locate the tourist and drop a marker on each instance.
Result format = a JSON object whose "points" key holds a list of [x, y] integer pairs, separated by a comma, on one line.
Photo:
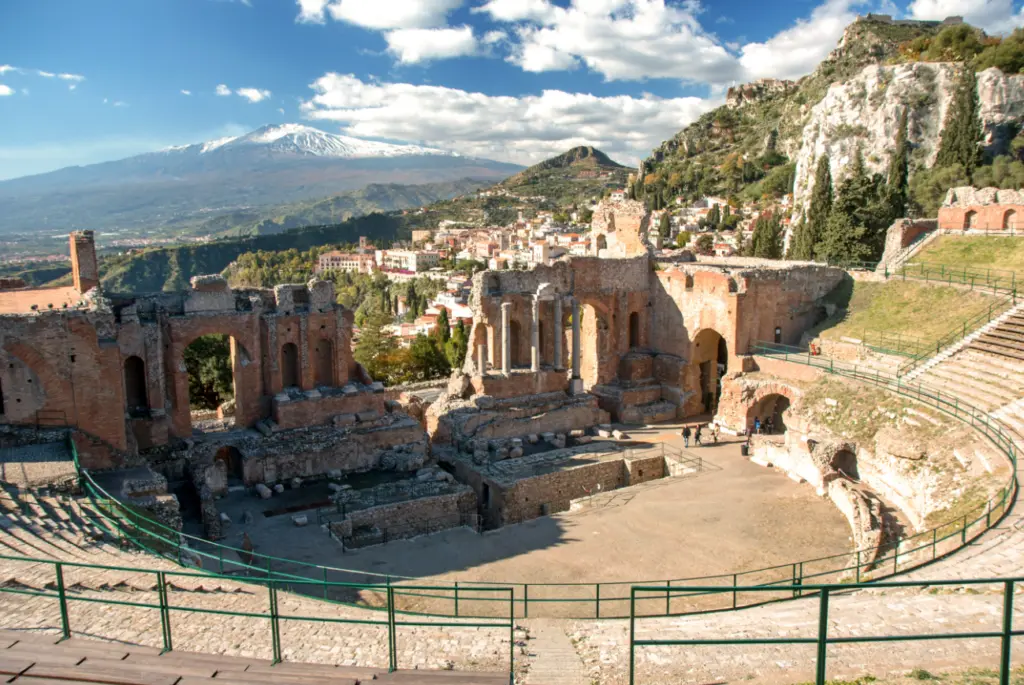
{"points": [[696, 436], [686, 436], [757, 425], [769, 425], [714, 433]]}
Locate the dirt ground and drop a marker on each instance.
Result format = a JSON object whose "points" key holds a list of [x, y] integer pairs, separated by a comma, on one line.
{"points": [[735, 516]]}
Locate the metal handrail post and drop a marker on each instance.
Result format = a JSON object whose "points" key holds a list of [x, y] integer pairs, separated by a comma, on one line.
{"points": [[632, 635], [165, 611], [822, 638], [1007, 639], [64, 626]]}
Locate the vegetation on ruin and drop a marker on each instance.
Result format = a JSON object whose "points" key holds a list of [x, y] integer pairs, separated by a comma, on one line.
{"points": [[975, 252], [210, 379], [901, 308]]}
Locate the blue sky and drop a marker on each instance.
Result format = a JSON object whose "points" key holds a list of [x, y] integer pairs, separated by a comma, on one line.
{"points": [[84, 81]]}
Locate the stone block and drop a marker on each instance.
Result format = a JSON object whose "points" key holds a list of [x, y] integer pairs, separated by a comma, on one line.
{"points": [[515, 452], [225, 520], [279, 488], [264, 428], [547, 437], [300, 520], [602, 433], [584, 439], [342, 420], [377, 387], [619, 435], [532, 438], [296, 483], [263, 491], [367, 416], [247, 517], [577, 433], [350, 389]]}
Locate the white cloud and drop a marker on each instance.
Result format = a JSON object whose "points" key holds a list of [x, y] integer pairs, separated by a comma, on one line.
{"points": [[45, 74], [6, 90], [995, 16], [619, 39], [72, 86], [311, 11], [797, 50], [280, 110], [540, 11], [223, 90], [493, 37], [253, 94], [391, 14], [4, 68], [522, 129], [411, 46], [186, 92], [77, 78]]}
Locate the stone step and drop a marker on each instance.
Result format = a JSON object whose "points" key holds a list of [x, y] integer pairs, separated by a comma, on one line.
{"points": [[653, 412], [988, 373], [957, 376], [951, 390], [998, 348], [995, 361], [1010, 337]]}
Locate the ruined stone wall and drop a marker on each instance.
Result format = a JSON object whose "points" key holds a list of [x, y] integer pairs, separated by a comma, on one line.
{"points": [[314, 411], [525, 499], [988, 209], [411, 518]]}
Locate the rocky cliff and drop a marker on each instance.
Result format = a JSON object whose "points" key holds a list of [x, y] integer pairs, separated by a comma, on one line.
{"points": [[865, 111]]}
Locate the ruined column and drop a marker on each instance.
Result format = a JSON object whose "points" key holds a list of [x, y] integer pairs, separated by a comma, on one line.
{"points": [[506, 340], [535, 336], [576, 386], [558, 333], [481, 354]]}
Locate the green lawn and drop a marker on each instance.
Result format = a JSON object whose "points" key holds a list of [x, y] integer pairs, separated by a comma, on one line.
{"points": [[906, 308], [975, 252]]}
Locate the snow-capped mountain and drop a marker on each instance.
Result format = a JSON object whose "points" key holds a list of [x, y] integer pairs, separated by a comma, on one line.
{"points": [[306, 140], [271, 165]]}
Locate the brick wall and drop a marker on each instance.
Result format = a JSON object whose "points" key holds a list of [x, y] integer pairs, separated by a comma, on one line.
{"points": [[410, 518], [525, 499]]}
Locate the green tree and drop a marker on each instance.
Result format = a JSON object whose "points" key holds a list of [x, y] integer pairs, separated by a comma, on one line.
{"points": [[665, 226], [377, 346], [427, 359], [210, 379], [766, 241], [1007, 56], [726, 215], [817, 215], [457, 346], [898, 183], [929, 187], [683, 238], [842, 241], [705, 244], [442, 330], [714, 216], [961, 132]]}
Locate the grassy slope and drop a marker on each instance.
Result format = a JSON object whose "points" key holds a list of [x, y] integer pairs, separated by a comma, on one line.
{"points": [[904, 307], [975, 252]]}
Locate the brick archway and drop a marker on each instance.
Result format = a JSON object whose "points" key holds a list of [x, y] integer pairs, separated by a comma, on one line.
{"points": [[58, 393], [246, 367]]}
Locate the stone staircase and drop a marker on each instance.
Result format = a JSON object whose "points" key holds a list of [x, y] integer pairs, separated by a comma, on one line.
{"points": [[44, 527]]}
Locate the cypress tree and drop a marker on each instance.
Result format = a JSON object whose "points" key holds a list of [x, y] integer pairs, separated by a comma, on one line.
{"points": [[443, 328], [800, 245], [961, 132], [817, 215], [714, 216], [899, 171], [665, 226], [766, 241]]}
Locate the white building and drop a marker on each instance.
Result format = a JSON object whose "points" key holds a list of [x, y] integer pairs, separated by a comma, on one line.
{"points": [[359, 262]]}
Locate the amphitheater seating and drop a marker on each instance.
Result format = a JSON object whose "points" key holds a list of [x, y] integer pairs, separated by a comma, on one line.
{"points": [[42, 526], [1005, 340]]}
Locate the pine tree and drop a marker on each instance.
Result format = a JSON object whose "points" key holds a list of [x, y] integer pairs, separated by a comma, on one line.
{"points": [[961, 132], [817, 215], [665, 226], [842, 241], [443, 326], [376, 344], [766, 242], [714, 216], [897, 185]]}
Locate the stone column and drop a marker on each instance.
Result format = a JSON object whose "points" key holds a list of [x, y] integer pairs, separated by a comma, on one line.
{"points": [[576, 385], [481, 354], [535, 336], [506, 340], [558, 333]]}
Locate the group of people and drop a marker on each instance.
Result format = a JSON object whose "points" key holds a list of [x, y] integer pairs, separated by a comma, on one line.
{"points": [[768, 427], [697, 435]]}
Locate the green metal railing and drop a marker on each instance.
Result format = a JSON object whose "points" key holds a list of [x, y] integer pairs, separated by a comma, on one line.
{"points": [[822, 640], [273, 614], [572, 600], [959, 332], [994, 280]]}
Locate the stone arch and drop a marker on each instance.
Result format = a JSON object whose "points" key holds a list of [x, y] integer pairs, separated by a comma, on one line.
{"points": [[1010, 220], [245, 371], [601, 242], [710, 353], [135, 396], [323, 363], [845, 462], [45, 389], [970, 219], [772, 406], [480, 335], [596, 367], [290, 365], [229, 458]]}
